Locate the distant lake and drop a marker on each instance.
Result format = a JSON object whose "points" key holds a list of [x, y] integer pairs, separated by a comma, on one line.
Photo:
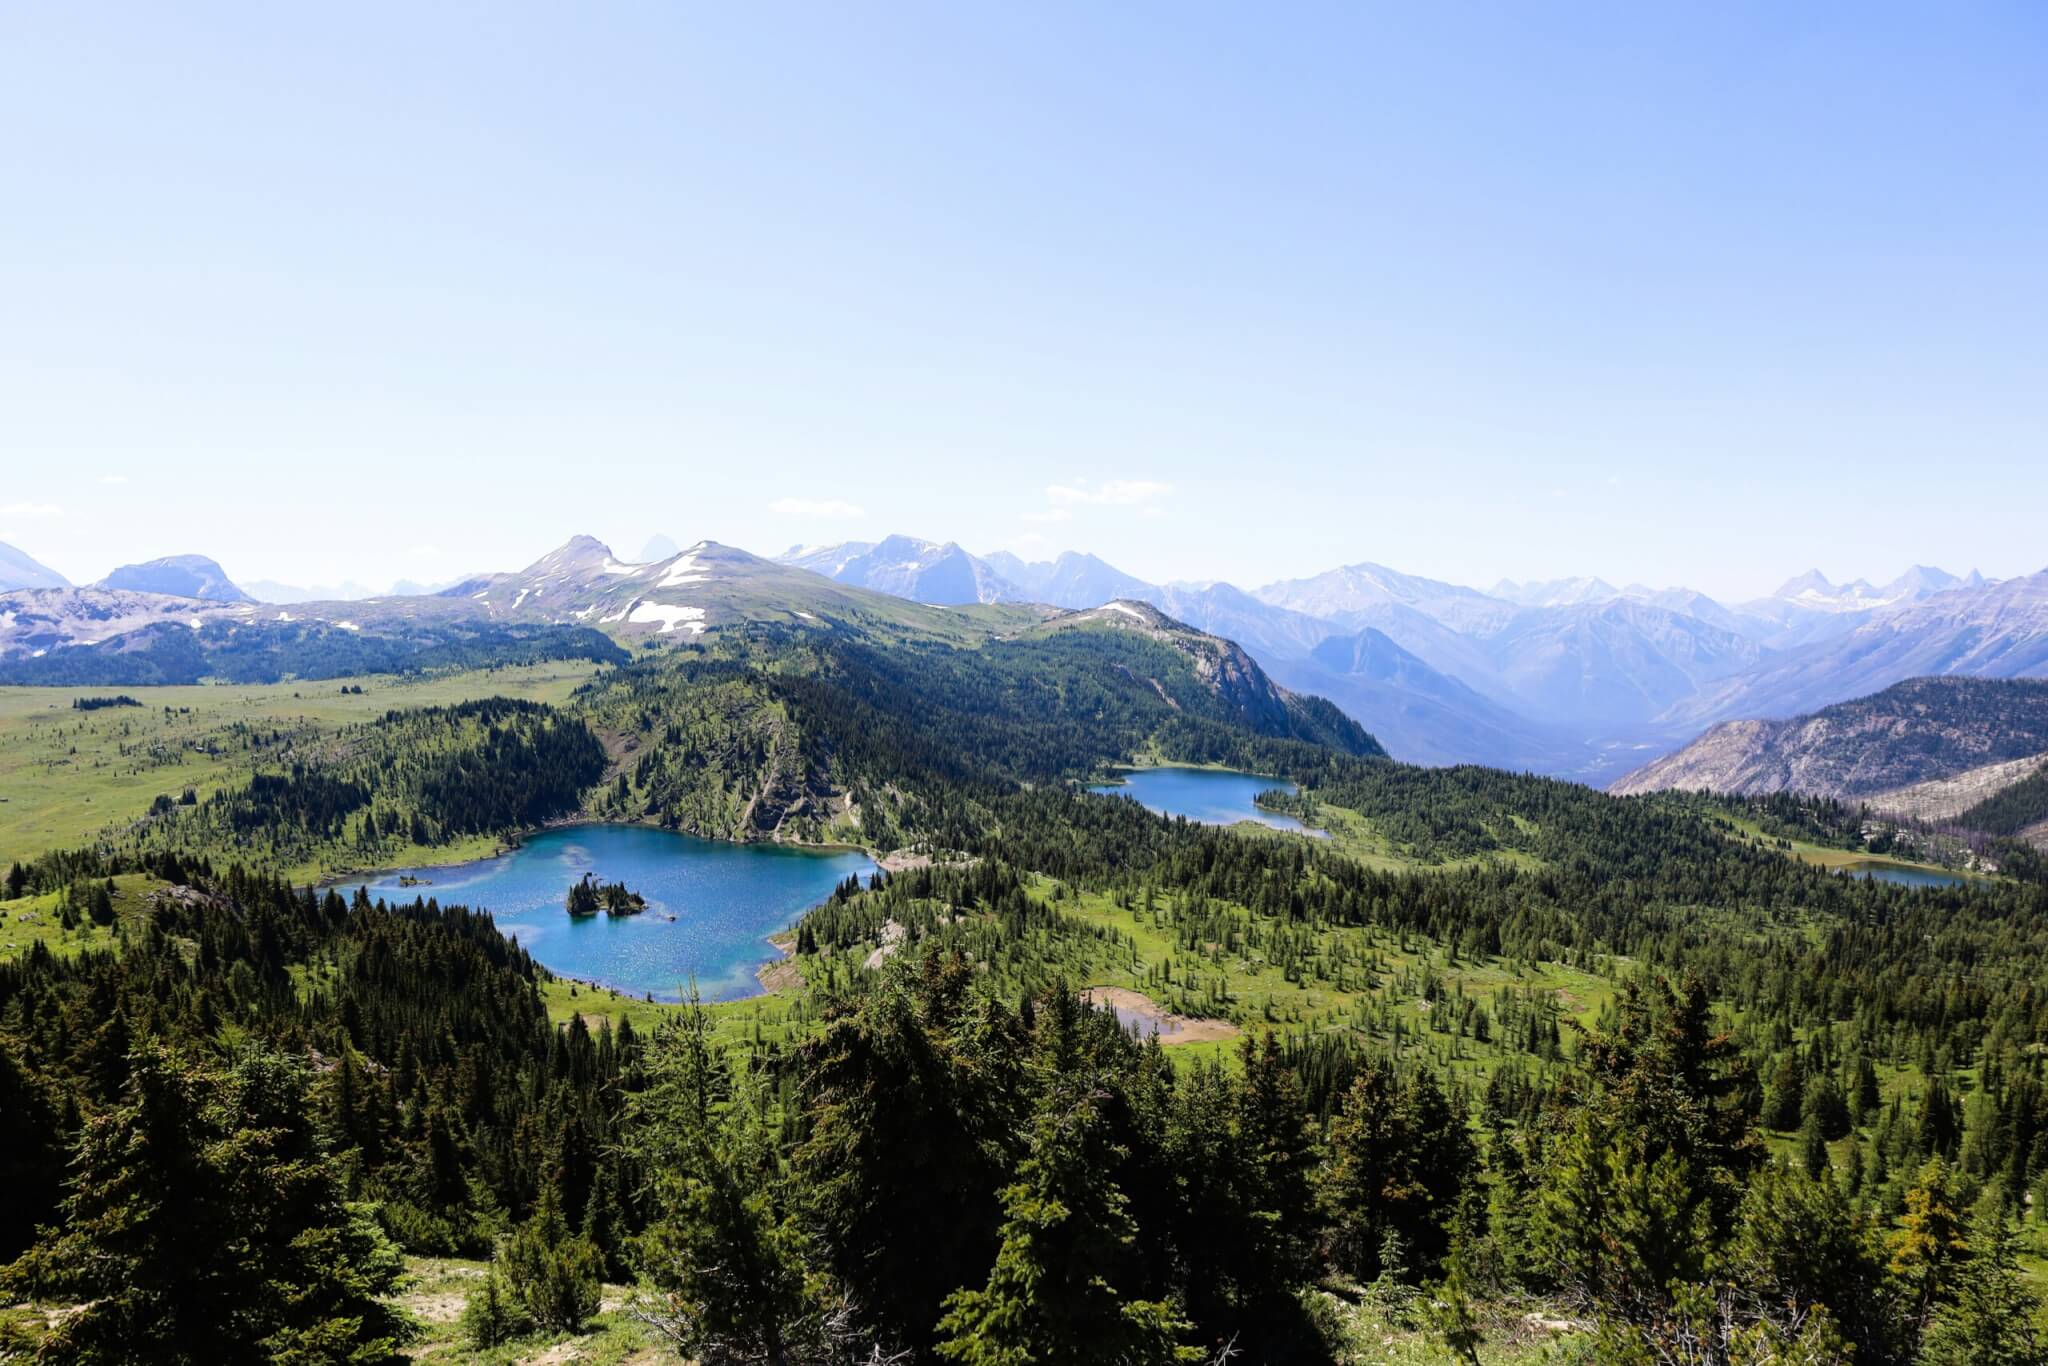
{"points": [[726, 900], [1213, 796], [1905, 877]]}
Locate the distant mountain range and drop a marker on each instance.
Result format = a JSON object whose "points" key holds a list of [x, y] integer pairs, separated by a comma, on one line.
{"points": [[1572, 677], [1569, 676], [923, 571], [659, 547], [176, 576], [269, 590], [572, 603], [18, 570]]}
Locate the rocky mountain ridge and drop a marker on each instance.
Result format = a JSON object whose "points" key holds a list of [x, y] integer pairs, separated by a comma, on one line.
{"points": [[177, 576], [1911, 734]]}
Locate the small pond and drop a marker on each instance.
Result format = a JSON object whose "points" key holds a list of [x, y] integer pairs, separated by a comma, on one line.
{"points": [[1213, 796], [1905, 877]]}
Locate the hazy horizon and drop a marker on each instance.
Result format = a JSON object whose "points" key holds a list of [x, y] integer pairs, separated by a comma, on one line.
{"points": [[1701, 299], [628, 550]]}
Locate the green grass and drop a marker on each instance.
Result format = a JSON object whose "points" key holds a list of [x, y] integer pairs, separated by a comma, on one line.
{"points": [[436, 1288], [32, 918], [66, 776], [1383, 1333], [1245, 983], [1355, 836], [1370, 983], [1358, 979], [783, 1018]]}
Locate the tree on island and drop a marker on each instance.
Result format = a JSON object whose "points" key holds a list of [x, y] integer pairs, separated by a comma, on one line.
{"points": [[589, 896]]}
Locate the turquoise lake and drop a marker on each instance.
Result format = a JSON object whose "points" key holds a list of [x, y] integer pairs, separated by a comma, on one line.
{"points": [[1212, 796], [725, 900]]}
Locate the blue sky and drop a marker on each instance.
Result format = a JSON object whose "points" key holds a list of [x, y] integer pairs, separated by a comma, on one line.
{"points": [[1674, 293]]}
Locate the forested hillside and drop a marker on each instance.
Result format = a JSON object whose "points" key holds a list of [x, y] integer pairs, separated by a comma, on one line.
{"points": [[786, 734], [955, 1096], [2016, 810], [1500, 1046], [365, 794]]}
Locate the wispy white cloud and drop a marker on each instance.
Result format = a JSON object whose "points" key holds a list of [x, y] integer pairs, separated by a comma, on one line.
{"points": [[828, 509], [1049, 515], [111, 479], [1110, 493], [1028, 541], [31, 512]]}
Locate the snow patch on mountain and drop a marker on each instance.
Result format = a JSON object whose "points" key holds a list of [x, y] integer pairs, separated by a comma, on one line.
{"points": [[669, 616]]}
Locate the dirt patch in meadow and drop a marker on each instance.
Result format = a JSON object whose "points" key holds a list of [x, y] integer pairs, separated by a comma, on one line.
{"points": [[1135, 1010]]}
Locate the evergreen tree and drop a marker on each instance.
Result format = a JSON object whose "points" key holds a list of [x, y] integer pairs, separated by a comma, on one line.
{"points": [[1995, 1319], [1813, 1147], [1785, 1099], [205, 1224], [912, 1096], [556, 1275], [31, 1155], [723, 1252], [1056, 1290], [1400, 1159], [1928, 1247], [1646, 1182], [1797, 1246]]}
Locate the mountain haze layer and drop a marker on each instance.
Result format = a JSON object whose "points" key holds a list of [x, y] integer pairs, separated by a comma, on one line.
{"points": [[178, 576], [19, 570], [924, 571]]}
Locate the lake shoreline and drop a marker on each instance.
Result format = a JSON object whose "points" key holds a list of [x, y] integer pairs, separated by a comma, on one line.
{"points": [[431, 856], [721, 914], [1209, 794]]}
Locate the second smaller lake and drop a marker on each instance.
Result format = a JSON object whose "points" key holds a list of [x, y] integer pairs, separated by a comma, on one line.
{"points": [[1905, 877], [1213, 796]]}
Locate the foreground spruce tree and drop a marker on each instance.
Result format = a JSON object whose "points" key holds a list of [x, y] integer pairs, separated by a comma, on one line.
{"points": [[1401, 1157], [724, 1256], [206, 1223], [1993, 1321], [1647, 1180], [913, 1099], [1054, 1293]]}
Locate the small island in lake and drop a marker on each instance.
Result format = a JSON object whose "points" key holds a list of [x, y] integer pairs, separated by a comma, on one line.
{"points": [[589, 896]]}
